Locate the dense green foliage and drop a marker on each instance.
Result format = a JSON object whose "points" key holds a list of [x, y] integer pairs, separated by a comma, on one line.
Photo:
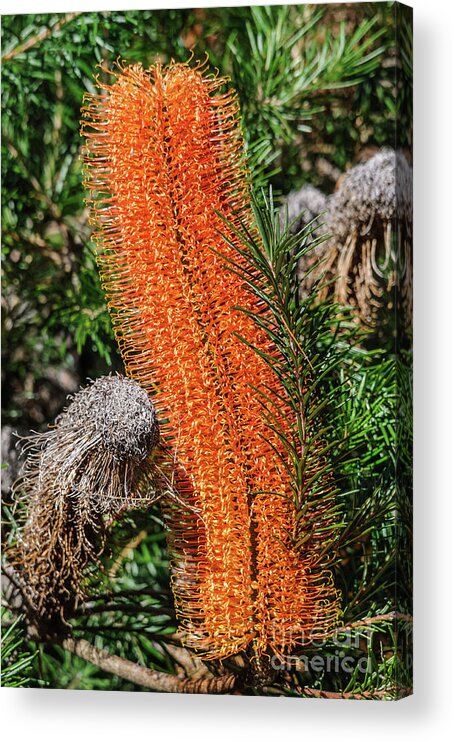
{"points": [[316, 89]]}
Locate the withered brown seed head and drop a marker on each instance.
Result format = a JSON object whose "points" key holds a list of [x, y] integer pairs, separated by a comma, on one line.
{"points": [[369, 192], [369, 220], [89, 468], [119, 414]]}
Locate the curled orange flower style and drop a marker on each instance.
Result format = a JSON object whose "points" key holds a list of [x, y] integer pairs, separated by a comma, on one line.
{"points": [[164, 157]]}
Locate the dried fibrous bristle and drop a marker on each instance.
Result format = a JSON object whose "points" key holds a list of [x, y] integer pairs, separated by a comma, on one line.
{"points": [[370, 222], [370, 192], [164, 153], [117, 415], [82, 473]]}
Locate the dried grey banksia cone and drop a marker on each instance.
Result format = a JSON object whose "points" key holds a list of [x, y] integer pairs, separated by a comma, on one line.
{"points": [[369, 220], [79, 476]]}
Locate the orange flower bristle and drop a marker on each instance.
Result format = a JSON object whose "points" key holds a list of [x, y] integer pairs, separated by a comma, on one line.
{"points": [[164, 153]]}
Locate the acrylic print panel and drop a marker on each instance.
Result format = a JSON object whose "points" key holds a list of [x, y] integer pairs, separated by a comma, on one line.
{"points": [[207, 229]]}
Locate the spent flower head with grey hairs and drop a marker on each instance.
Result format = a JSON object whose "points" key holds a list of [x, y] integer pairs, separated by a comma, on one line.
{"points": [[83, 473], [369, 192], [120, 416], [369, 218]]}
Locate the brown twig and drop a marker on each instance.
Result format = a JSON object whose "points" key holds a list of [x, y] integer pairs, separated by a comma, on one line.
{"points": [[191, 664], [152, 679], [44, 34], [364, 696]]}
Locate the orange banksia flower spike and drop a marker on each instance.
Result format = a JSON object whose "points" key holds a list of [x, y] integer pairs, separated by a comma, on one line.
{"points": [[164, 156]]}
